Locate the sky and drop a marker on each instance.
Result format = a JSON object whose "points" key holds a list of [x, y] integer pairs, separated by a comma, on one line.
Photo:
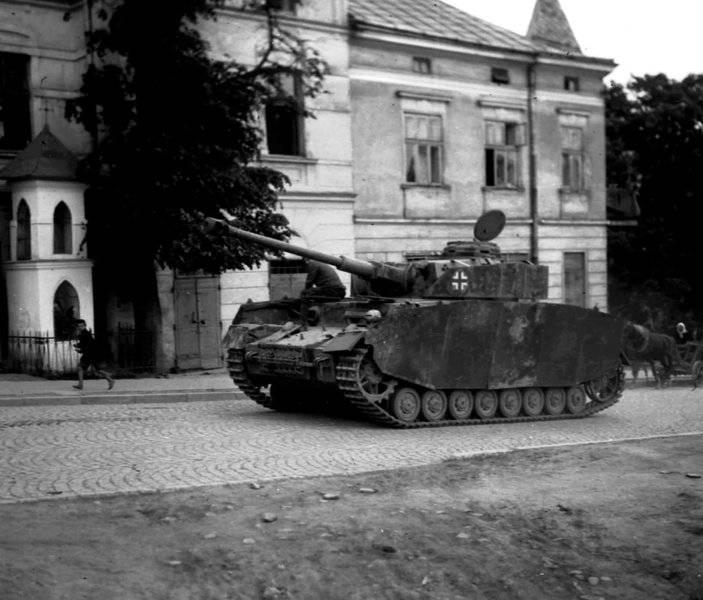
{"points": [[642, 36]]}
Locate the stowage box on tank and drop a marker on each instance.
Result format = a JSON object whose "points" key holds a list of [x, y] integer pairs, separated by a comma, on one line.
{"points": [[457, 338]]}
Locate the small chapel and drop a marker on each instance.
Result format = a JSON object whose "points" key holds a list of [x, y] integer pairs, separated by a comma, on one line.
{"points": [[48, 277]]}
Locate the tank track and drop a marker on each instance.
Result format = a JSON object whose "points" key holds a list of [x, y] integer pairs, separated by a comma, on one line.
{"points": [[346, 373], [238, 373]]}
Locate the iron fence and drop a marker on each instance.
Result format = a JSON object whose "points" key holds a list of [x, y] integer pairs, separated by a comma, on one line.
{"points": [[132, 349], [39, 353]]}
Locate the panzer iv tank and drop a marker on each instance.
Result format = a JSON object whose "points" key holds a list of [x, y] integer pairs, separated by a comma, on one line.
{"points": [[456, 338]]}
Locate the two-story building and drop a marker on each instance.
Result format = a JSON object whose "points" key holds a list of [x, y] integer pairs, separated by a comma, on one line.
{"points": [[42, 58], [453, 116], [431, 117]]}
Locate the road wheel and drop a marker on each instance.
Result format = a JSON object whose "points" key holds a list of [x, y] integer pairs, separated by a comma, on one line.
{"points": [[373, 385], [461, 403], [533, 401], [406, 405], [434, 405], [554, 401], [509, 403], [607, 387], [486, 404], [575, 400]]}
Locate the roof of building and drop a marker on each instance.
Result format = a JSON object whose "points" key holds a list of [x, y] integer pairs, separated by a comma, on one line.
{"points": [[550, 28], [45, 158], [549, 31], [435, 19]]}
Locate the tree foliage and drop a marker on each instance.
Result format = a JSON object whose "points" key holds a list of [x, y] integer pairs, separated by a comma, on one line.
{"points": [[655, 147], [176, 134]]}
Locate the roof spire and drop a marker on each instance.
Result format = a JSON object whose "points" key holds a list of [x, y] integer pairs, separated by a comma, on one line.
{"points": [[45, 158], [550, 26]]}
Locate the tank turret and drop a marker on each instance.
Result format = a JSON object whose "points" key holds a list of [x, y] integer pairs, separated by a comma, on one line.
{"points": [[464, 269]]}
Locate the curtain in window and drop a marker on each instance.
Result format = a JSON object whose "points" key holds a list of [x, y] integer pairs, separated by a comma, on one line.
{"points": [[423, 149]]}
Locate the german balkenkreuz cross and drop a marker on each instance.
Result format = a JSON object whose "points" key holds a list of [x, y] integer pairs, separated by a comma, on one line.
{"points": [[460, 281]]}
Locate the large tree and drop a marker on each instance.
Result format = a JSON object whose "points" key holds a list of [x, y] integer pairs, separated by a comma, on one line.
{"points": [[176, 139], [655, 148]]}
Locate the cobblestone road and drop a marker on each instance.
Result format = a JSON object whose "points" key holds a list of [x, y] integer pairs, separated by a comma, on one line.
{"points": [[62, 451]]}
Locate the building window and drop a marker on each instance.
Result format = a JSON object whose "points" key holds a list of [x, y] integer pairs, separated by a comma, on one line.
{"points": [[572, 84], [284, 118], [66, 311], [422, 65], [572, 159], [286, 278], [15, 125], [575, 278], [63, 238], [503, 141], [423, 149], [24, 233], [283, 5], [500, 75]]}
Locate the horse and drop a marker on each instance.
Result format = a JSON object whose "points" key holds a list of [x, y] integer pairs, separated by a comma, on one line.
{"points": [[644, 346], [697, 373], [645, 367]]}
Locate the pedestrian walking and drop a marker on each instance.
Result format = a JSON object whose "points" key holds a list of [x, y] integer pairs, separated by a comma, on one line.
{"points": [[88, 350]]}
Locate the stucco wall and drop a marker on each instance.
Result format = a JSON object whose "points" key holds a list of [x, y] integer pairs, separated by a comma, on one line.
{"points": [[53, 37], [549, 113], [555, 240], [319, 200], [31, 287], [42, 198], [392, 218], [389, 241]]}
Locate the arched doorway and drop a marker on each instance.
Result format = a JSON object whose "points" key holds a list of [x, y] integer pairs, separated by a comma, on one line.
{"points": [[66, 310]]}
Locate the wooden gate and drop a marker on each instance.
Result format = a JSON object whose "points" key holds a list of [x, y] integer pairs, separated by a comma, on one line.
{"points": [[198, 332]]}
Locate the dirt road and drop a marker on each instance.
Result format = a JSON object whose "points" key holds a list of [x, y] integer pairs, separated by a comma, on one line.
{"points": [[601, 521]]}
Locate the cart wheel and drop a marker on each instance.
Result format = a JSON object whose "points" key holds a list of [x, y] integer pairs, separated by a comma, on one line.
{"points": [[697, 373]]}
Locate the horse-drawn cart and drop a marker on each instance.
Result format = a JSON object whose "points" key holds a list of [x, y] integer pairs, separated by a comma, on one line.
{"points": [[662, 355], [689, 361]]}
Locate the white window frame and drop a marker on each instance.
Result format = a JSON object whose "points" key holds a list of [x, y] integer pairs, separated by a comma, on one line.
{"points": [[432, 147], [572, 159], [294, 87], [422, 65], [504, 148]]}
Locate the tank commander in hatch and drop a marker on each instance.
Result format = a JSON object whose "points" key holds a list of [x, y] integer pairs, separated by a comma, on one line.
{"points": [[322, 281]]}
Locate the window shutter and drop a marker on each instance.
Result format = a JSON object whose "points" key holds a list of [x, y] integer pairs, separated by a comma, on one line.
{"points": [[587, 171], [520, 134]]}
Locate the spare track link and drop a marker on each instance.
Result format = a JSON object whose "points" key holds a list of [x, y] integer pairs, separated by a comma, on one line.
{"points": [[346, 372], [238, 373]]}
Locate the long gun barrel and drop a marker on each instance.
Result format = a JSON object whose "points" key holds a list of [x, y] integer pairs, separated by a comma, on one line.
{"points": [[366, 269]]}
